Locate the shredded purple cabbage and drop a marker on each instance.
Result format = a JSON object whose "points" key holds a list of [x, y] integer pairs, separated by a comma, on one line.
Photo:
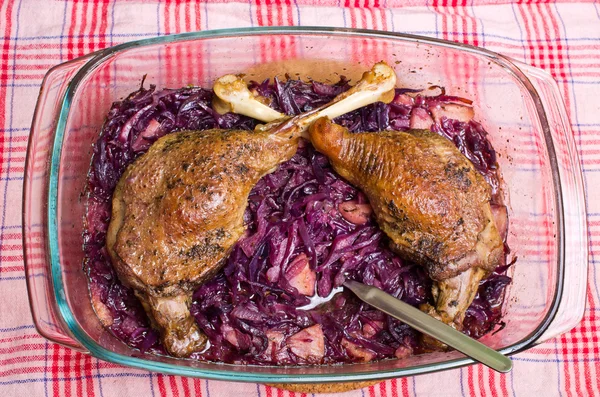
{"points": [[296, 232]]}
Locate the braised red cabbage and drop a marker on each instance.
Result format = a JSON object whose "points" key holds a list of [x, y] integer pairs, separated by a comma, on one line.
{"points": [[298, 242]]}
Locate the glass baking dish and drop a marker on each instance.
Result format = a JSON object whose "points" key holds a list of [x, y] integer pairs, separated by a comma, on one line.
{"points": [[519, 105]]}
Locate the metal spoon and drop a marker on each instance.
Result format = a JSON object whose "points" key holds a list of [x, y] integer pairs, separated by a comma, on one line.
{"points": [[430, 326]]}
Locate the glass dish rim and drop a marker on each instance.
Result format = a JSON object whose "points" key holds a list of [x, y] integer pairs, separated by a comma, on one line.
{"points": [[229, 374]]}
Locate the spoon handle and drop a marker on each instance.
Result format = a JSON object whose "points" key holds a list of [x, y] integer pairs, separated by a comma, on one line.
{"points": [[430, 326]]}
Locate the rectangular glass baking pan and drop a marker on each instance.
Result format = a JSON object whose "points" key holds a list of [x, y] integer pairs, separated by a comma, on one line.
{"points": [[520, 106]]}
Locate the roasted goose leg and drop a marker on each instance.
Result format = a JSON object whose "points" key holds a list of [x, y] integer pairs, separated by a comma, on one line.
{"points": [[178, 209], [429, 199]]}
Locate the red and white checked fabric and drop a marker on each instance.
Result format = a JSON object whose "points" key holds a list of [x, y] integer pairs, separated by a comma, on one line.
{"points": [[562, 37]]}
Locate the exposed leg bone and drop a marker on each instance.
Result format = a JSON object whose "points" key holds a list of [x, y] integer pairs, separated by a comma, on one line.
{"points": [[376, 85], [234, 96]]}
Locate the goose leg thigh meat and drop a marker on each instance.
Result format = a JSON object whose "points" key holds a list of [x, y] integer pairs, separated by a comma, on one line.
{"points": [[178, 209], [429, 199]]}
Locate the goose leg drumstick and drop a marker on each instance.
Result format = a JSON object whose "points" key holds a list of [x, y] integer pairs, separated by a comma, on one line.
{"points": [[429, 199], [232, 95], [178, 209]]}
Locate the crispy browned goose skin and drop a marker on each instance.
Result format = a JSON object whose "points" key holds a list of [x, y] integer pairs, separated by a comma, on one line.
{"points": [[178, 209], [428, 198]]}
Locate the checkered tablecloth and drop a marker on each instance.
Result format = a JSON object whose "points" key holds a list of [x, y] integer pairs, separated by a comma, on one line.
{"points": [[562, 37]]}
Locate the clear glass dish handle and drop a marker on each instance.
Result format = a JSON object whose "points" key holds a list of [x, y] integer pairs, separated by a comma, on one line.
{"points": [[572, 302], [44, 309]]}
